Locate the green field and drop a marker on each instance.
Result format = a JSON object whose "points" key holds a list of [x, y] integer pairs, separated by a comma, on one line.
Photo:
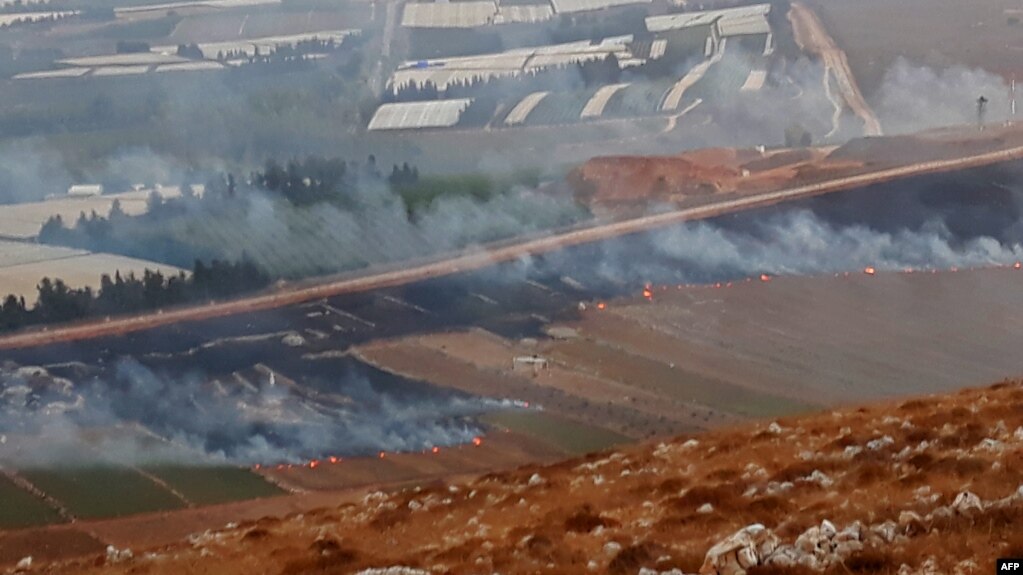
{"points": [[570, 436], [19, 508], [211, 485], [102, 491]]}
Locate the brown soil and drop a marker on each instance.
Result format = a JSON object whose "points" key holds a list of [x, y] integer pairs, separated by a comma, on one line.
{"points": [[690, 178], [638, 507]]}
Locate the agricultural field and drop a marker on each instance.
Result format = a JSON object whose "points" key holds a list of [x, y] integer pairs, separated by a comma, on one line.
{"points": [[215, 484], [88, 494], [572, 437], [103, 492], [23, 265], [22, 509], [23, 221]]}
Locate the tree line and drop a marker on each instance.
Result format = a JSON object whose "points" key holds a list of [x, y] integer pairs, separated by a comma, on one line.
{"points": [[57, 302]]}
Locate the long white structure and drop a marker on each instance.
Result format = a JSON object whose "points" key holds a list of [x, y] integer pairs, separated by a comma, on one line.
{"points": [[571, 6], [471, 14], [442, 72], [416, 115], [449, 14], [264, 45], [594, 107], [675, 93], [521, 111], [736, 21]]}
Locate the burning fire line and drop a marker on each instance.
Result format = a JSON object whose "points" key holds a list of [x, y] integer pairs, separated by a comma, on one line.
{"points": [[335, 459], [649, 289]]}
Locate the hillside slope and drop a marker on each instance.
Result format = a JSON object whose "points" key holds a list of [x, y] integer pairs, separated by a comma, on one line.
{"points": [[927, 485]]}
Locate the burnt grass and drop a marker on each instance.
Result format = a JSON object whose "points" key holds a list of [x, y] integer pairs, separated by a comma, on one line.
{"points": [[514, 300]]}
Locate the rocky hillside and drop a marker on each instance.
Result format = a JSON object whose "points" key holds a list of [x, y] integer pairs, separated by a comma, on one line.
{"points": [[927, 485]]}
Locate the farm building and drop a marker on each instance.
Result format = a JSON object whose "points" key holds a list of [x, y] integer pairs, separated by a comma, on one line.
{"points": [[724, 23], [85, 190], [263, 45], [572, 6], [417, 115], [471, 14], [443, 72]]}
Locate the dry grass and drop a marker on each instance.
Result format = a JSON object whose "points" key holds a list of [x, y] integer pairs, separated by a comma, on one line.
{"points": [[645, 506]]}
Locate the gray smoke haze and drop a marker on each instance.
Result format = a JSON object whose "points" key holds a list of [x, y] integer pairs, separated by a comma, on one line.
{"points": [[914, 98], [136, 415], [788, 242], [29, 171], [295, 241], [800, 243]]}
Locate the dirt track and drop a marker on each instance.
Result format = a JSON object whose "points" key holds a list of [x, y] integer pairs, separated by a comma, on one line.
{"points": [[483, 257], [813, 38]]}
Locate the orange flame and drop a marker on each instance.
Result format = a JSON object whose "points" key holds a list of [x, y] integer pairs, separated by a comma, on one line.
{"points": [[435, 449], [314, 464], [333, 459], [382, 455], [765, 278], [601, 305], [1017, 265], [869, 270], [477, 441], [647, 293]]}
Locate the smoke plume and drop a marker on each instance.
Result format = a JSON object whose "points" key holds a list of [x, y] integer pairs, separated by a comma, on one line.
{"points": [[133, 414]]}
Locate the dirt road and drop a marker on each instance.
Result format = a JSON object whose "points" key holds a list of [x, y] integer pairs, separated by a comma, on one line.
{"points": [[813, 38], [477, 258]]}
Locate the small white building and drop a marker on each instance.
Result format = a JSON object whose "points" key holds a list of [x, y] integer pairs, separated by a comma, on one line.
{"points": [[85, 190]]}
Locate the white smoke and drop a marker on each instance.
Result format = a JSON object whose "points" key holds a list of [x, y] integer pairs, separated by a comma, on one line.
{"points": [[137, 415], [914, 98]]}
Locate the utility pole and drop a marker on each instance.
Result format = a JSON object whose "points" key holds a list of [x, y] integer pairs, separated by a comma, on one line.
{"points": [[981, 109], [1012, 99]]}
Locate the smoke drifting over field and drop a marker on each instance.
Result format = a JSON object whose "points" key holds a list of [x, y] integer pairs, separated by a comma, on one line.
{"points": [[294, 241], [914, 98], [800, 243], [134, 414], [960, 220]]}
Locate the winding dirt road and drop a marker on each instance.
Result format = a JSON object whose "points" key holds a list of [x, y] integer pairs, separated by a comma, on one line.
{"points": [[814, 39], [481, 257]]}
